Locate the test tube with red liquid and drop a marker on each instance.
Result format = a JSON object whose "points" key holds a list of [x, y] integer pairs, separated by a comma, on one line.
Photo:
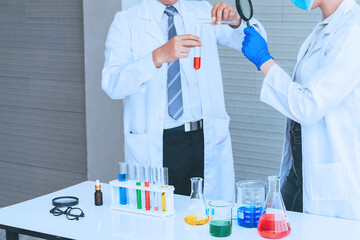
{"points": [[147, 184], [197, 50]]}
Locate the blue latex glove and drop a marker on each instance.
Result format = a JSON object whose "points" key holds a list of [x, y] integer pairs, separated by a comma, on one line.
{"points": [[255, 47]]}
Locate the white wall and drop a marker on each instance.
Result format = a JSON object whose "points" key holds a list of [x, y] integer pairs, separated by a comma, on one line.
{"points": [[103, 115]]}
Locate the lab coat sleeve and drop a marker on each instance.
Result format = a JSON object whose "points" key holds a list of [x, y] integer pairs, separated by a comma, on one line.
{"points": [[328, 86], [122, 75]]}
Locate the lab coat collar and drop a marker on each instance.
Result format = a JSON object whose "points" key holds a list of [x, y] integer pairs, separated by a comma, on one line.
{"points": [[336, 17], [332, 23], [153, 27], [158, 8], [153, 9]]}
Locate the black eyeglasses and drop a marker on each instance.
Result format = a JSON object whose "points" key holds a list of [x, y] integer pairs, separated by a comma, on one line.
{"points": [[70, 212]]}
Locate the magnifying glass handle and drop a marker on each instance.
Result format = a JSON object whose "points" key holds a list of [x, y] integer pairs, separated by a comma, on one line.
{"points": [[248, 24]]}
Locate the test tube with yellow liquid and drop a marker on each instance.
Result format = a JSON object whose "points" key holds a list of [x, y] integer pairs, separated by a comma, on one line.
{"points": [[197, 211], [164, 181]]}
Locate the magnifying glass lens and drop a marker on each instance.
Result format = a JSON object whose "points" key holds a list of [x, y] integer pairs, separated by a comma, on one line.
{"points": [[246, 9]]}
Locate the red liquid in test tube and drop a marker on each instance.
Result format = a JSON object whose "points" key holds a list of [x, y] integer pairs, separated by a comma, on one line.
{"points": [[197, 63], [147, 184], [147, 197]]}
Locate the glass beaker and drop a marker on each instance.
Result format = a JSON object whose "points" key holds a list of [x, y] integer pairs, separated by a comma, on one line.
{"points": [[196, 213], [250, 201], [273, 221], [220, 218]]}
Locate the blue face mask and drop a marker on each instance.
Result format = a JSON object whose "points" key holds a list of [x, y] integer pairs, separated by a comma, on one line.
{"points": [[304, 4]]}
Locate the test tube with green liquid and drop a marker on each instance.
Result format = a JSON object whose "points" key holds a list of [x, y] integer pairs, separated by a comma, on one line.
{"points": [[164, 183], [138, 183]]}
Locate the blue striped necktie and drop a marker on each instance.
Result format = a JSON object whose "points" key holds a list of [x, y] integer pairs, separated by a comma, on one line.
{"points": [[175, 102]]}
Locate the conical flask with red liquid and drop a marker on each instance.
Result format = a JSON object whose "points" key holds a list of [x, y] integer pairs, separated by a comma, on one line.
{"points": [[273, 222]]}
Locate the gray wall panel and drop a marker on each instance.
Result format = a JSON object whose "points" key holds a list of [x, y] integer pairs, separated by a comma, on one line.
{"points": [[104, 125], [42, 98]]}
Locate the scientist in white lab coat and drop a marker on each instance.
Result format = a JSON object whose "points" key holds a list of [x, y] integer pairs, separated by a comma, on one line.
{"points": [[321, 158], [174, 115]]}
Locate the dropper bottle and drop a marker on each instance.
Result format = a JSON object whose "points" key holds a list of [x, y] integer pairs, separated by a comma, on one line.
{"points": [[98, 194]]}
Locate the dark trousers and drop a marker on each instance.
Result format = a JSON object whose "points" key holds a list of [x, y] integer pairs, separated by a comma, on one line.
{"points": [[184, 157], [292, 189]]}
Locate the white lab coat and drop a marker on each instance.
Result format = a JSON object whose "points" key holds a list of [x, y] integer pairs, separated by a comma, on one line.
{"points": [[327, 105], [129, 73]]}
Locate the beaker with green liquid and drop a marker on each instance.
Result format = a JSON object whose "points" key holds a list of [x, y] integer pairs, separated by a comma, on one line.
{"points": [[220, 218]]}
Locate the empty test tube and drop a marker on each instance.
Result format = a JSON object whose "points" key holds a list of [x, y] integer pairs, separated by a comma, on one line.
{"points": [[123, 177], [155, 183], [210, 21], [132, 181]]}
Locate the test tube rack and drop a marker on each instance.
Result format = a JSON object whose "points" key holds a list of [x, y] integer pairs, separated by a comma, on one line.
{"points": [[130, 185]]}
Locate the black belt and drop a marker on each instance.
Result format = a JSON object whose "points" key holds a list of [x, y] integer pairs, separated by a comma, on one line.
{"points": [[188, 127]]}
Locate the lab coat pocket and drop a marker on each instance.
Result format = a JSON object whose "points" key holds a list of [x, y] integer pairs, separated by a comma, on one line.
{"points": [[136, 148], [327, 181], [221, 130]]}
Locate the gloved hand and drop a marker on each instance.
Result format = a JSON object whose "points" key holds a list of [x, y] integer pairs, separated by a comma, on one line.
{"points": [[255, 47]]}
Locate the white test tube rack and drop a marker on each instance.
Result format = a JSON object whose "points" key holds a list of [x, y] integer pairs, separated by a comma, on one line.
{"points": [[130, 185]]}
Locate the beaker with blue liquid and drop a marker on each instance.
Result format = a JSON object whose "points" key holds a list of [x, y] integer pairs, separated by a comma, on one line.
{"points": [[250, 201]]}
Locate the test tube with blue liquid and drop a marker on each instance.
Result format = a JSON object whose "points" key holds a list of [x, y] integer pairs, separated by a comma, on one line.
{"points": [[123, 177]]}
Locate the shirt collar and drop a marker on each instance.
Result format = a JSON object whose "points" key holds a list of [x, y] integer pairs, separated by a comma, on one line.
{"points": [[157, 9], [327, 20]]}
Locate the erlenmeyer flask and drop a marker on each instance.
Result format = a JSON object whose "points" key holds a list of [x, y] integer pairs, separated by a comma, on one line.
{"points": [[196, 213], [273, 222]]}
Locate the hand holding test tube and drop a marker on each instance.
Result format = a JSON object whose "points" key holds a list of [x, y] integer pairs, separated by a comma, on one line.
{"points": [[177, 47]]}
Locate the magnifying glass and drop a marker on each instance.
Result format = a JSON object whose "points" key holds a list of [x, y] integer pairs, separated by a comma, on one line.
{"points": [[66, 201], [245, 9]]}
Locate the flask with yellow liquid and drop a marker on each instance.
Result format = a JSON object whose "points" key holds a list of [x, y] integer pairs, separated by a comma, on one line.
{"points": [[197, 211]]}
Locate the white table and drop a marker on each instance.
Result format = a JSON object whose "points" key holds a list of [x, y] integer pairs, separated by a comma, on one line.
{"points": [[101, 223]]}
